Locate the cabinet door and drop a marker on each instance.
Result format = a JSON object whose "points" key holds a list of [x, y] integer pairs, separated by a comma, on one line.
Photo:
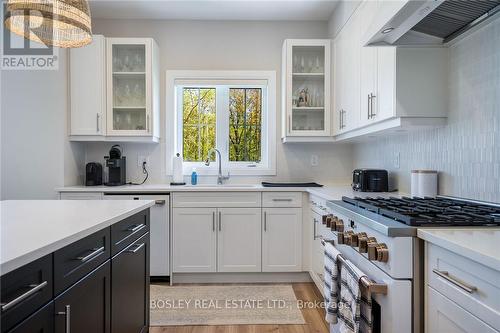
{"points": [[194, 240], [282, 240], [85, 307], [308, 80], [88, 88], [41, 321], [338, 82], [239, 243], [443, 315], [130, 288], [351, 80], [129, 93], [384, 104]]}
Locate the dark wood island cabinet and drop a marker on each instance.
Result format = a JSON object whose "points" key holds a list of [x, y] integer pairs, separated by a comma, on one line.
{"points": [[97, 284]]}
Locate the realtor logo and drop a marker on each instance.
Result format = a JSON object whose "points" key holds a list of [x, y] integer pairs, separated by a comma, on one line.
{"points": [[19, 53]]}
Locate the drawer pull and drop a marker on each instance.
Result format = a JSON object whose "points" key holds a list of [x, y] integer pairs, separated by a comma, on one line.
{"points": [[136, 248], [67, 321], [462, 285], [282, 200], [159, 202], [95, 252], [34, 289], [136, 227]]}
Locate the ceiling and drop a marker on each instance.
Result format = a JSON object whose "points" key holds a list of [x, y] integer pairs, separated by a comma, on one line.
{"points": [[254, 10]]}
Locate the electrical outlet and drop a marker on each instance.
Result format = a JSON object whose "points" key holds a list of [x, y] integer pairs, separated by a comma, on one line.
{"points": [[397, 160], [141, 159], [314, 160]]}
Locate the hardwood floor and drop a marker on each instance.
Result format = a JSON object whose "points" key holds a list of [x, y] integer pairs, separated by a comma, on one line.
{"points": [[313, 316]]}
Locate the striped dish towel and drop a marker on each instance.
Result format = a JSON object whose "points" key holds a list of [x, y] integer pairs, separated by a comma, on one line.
{"points": [[355, 313], [332, 283]]}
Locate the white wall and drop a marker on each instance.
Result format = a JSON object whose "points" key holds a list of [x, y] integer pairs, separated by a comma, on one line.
{"points": [[467, 151], [36, 156], [226, 45]]}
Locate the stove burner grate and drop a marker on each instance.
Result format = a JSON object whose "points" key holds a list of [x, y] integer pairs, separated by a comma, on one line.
{"points": [[430, 211]]}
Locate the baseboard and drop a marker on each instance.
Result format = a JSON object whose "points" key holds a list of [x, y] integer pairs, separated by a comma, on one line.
{"points": [[154, 279], [240, 277]]}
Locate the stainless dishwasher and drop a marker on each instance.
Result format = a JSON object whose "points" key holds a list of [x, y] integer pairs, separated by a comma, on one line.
{"points": [[160, 228]]}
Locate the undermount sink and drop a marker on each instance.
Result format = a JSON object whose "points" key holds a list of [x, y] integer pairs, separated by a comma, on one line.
{"points": [[223, 185]]}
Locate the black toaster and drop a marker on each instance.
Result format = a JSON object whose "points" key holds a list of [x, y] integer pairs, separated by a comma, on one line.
{"points": [[370, 180]]}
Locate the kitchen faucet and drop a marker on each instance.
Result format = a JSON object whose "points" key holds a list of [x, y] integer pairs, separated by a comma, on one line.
{"points": [[220, 177]]}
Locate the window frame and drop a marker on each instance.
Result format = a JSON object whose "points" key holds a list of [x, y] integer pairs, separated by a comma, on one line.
{"points": [[227, 79]]}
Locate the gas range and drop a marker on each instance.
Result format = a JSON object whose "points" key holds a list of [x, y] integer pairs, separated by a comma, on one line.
{"points": [[378, 235], [440, 211]]}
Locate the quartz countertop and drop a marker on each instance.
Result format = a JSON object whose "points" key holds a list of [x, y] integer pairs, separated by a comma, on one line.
{"points": [[31, 229], [479, 244], [328, 192]]}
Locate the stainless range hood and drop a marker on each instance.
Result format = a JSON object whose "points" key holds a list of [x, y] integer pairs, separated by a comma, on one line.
{"points": [[437, 22]]}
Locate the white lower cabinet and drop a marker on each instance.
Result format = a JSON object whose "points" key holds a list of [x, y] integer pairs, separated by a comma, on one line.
{"points": [[282, 240], [239, 240], [445, 316], [194, 242]]}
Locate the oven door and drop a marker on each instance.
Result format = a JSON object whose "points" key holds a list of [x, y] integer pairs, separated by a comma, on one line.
{"points": [[392, 312]]}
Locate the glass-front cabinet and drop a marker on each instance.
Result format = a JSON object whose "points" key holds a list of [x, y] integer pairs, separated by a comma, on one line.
{"points": [[132, 79], [306, 90]]}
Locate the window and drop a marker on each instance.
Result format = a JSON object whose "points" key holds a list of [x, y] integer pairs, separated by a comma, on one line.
{"points": [[235, 114]]}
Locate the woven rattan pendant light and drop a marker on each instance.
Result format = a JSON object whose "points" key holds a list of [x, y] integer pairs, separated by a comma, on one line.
{"points": [[61, 23]]}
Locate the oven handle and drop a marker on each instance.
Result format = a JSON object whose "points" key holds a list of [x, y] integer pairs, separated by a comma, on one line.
{"points": [[462, 285]]}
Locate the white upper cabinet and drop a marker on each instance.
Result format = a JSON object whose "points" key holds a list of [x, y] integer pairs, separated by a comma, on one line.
{"points": [[88, 88], [380, 89], [132, 109], [306, 67], [115, 90]]}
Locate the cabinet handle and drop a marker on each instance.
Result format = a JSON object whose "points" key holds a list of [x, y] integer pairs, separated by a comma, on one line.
{"points": [[67, 322], [265, 221], [95, 252], [136, 228], [147, 122], [220, 223], [289, 124], [368, 106], [280, 200], [34, 289], [97, 122], [462, 285], [159, 202], [213, 221], [314, 229], [340, 119], [137, 248], [372, 114]]}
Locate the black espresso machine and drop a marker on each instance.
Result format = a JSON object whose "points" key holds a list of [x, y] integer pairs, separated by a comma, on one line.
{"points": [[115, 163]]}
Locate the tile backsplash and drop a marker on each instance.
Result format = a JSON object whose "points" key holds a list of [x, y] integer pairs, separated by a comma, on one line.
{"points": [[466, 152]]}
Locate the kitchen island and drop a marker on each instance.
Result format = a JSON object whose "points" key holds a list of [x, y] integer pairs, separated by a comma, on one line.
{"points": [[79, 266]]}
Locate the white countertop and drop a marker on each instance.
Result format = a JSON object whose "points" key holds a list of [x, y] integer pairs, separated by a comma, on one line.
{"points": [[31, 229], [477, 244], [328, 192]]}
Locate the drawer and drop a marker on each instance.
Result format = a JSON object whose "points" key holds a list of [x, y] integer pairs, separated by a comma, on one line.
{"points": [[217, 199], [80, 195], [282, 199], [128, 230], [467, 283], [78, 259], [41, 321], [25, 290], [444, 316]]}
